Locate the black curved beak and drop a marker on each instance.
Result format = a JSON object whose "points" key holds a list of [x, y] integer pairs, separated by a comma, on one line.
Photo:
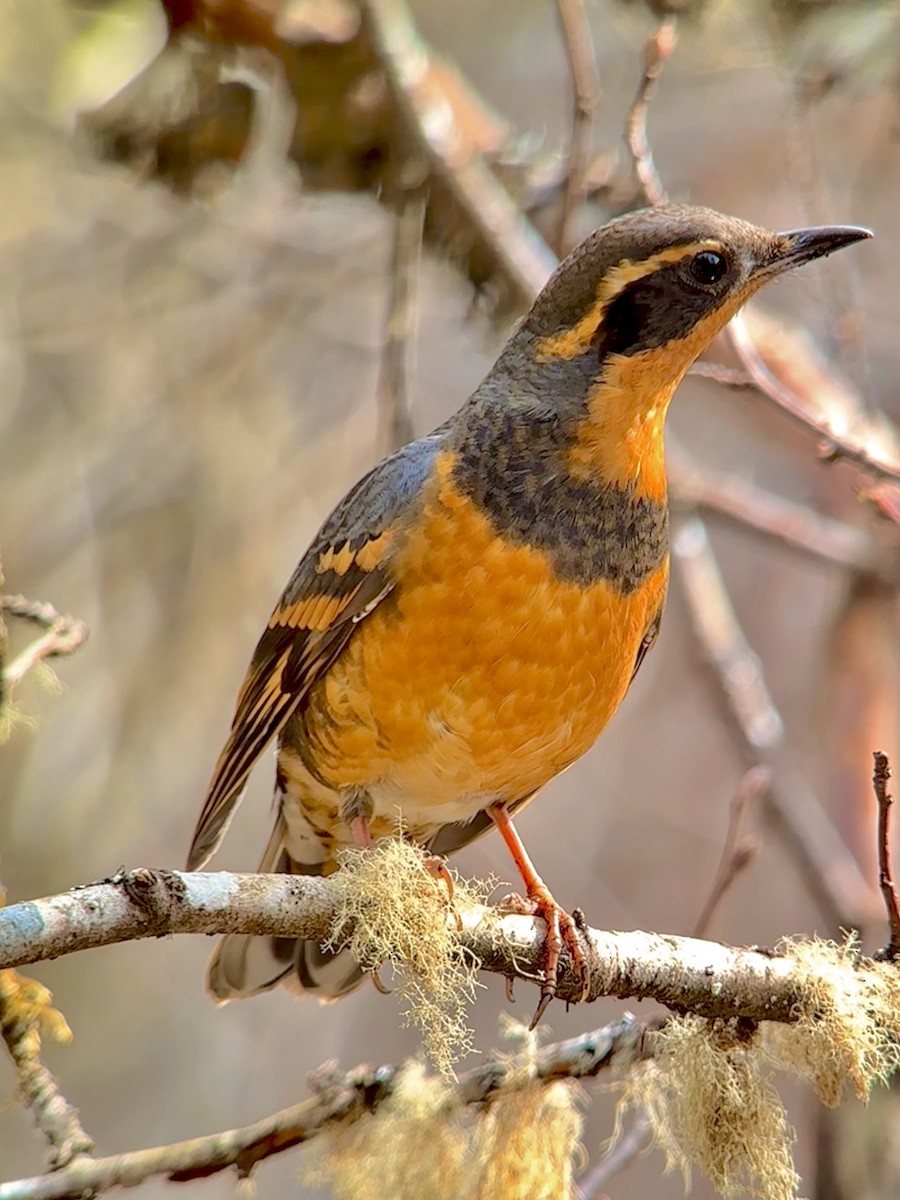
{"points": [[800, 246]]}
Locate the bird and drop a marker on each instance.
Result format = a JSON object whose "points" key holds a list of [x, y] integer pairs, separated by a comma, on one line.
{"points": [[472, 613]]}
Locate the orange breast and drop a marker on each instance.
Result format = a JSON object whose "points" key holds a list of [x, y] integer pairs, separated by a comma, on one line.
{"points": [[482, 677]]}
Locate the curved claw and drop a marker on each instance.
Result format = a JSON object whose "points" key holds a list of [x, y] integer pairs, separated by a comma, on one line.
{"points": [[561, 928], [380, 988], [437, 868], [543, 1004]]}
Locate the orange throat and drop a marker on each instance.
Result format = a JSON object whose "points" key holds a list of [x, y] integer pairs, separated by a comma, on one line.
{"points": [[620, 439]]}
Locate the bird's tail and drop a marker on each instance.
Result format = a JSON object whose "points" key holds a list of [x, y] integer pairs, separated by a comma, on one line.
{"points": [[243, 965]]}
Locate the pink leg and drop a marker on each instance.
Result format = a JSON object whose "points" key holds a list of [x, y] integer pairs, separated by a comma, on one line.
{"points": [[561, 927]]}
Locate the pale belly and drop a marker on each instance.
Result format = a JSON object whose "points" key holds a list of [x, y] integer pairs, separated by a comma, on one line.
{"points": [[477, 682]]}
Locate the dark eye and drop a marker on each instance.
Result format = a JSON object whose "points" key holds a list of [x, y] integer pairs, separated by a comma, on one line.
{"points": [[707, 267]]}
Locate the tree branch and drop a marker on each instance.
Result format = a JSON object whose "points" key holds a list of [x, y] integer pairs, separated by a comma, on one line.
{"points": [[338, 1097], [150, 903], [796, 526], [657, 51], [517, 253], [684, 974], [393, 384], [880, 776], [64, 635], [585, 83], [24, 1007], [830, 870], [592, 1185], [872, 443]]}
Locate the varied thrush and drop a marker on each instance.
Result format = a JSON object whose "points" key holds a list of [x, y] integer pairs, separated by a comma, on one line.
{"points": [[472, 613]]}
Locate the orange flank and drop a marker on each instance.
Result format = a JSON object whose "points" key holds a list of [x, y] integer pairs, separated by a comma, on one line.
{"points": [[484, 678]]}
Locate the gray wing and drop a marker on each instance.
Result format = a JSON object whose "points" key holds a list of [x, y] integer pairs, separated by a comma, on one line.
{"points": [[341, 578]]}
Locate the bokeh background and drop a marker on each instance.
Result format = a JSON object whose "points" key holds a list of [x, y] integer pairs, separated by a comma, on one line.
{"points": [[188, 383]]}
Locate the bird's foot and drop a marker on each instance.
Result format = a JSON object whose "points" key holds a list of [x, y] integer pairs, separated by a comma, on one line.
{"points": [[359, 827], [562, 930], [438, 870]]}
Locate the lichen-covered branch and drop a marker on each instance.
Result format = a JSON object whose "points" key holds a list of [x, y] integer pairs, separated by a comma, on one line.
{"points": [[149, 903], [337, 1097], [64, 635], [24, 1008], [685, 974]]}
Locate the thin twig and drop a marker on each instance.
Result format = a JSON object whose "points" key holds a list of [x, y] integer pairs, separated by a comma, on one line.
{"points": [[794, 525], [620, 1154], [339, 1097], [401, 319], [829, 869], [57, 1120], [880, 776], [268, 146], [725, 648], [685, 974], [64, 635], [862, 449], [732, 377], [585, 83], [736, 855], [658, 49]]}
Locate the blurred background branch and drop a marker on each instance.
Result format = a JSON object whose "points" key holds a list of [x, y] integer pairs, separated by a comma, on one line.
{"points": [[340, 1097], [63, 636]]}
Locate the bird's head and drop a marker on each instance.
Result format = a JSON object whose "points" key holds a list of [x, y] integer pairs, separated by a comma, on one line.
{"points": [[663, 282], [623, 317]]}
